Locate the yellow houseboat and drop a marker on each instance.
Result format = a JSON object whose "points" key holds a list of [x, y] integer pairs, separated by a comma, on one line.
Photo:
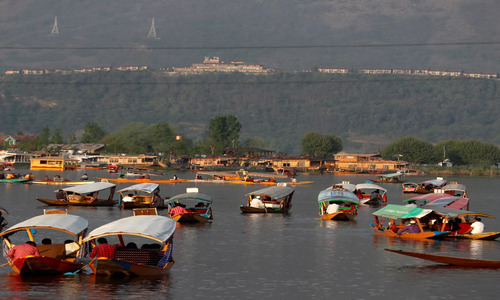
{"points": [[53, 163]]}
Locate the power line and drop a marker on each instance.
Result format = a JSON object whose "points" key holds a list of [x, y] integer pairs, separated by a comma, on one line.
{"points": [[476, 43]]}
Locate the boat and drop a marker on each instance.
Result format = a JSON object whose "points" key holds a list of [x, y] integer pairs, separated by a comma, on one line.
{"points": [[148, 261], [55, 259], [143, 180], [344, 185], [451, 260], [53, 163], [244, 177], [390, 178], [65, 182], [140, 195], [438, 200], [455, 189], [338, 205], [365, 192], [83, 195], [424, 187], [394, 213], [462, 219], [274, 199], [190, 207], [16, 180], [113, 168]]}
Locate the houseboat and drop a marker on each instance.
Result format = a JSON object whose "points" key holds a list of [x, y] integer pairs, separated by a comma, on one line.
{"points": [[53, 163]]}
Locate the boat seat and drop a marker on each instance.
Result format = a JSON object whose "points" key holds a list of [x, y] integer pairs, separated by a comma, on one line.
{"points": [[54, 250], [149, 257]]}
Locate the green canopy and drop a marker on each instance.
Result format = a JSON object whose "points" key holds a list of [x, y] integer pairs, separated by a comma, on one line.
{"points": [[393, 211]]}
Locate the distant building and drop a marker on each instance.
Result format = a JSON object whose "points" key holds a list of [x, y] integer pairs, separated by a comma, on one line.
{"points": [[216, 65]]}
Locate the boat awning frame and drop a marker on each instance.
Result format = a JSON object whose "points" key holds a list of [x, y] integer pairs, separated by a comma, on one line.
{"points": [[71, 224]]}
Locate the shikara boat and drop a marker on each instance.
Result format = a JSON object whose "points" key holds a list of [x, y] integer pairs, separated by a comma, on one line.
{"points": [[451, 260], [338, 205], [345, 186], [364, 193], [397, 216], [190, 207], [390, 178], [438, 200], [274, 199], [143, 180], [424, 187], [65, 182], [462, 219], [84, 195], [141, 195], [455, 189], [147, 261], [15, 180], [55, 258]]}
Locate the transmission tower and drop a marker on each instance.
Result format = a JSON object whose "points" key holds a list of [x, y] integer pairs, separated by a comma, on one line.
{"points": [[55, 30], [152, 31]]}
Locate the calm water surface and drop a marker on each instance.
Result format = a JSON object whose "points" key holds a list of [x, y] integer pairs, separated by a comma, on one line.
{"points": [[292, 256]]}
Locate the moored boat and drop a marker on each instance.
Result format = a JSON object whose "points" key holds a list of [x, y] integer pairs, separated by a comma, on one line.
{"points": [[83, 195], [58, 258], [274, 199], [190, 207], [64, 182], [451, 260], [141, 195], [338, 205], [455, 189], [143, 180], [155, 259], [399, 213]]}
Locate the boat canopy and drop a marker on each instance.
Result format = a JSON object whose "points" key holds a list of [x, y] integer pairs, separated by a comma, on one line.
{"points": [[89, 188], [369, 186], [141, 187], [68, 223], [337, 195], [435, 182], [392, 175], [429, 197], [454, 187], [275, 192], [449, 202], [3, 210], [192, 196], [454, 213], [345, 185], [159, 228], [393, 211]]}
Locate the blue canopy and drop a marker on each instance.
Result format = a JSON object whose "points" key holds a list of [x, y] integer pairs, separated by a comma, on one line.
{"points": [[338, 196]]}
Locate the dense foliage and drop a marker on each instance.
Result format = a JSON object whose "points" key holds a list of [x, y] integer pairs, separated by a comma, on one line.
{"points": [[317, 145], [410, 149]]}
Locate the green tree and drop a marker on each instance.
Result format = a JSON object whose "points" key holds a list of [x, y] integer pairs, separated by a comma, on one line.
{"points": [[412, 150], [44, 138], [317, 145], [57, 137], [224, 131], [93, 133], [470, 152]]}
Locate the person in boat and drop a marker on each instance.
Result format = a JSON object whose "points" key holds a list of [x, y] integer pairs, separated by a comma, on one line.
{"points": [[257, 202], [175, 177], [46, 178], [84, 177], [28, 248], [131, 245], [157, 199], [46, 241], [477, 226], [60, 195], [375, 195], [104, 249], [3, 222], [294, 180], [198, 176], [332, 208], [29, 176], [410, 228], [128, 198], [177, 210], [10, 176]]}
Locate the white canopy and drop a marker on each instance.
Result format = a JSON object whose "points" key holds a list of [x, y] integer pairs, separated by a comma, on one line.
{"points": [[69, 223], [142, 187], [159, 228], [369, 186], [89, 188], [275, 192]]}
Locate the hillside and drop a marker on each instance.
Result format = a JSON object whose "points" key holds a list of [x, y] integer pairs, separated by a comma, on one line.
{"points": [[263, 32], [366, 111]]}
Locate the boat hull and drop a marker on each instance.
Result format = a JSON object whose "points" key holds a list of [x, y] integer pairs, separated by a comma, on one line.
{"points": [[15, 180], [98, 202], [477, 236], [253, 210], [190, 218], [43, 265], [414, 236], [117, 267], [337, 216], [451, 260]]}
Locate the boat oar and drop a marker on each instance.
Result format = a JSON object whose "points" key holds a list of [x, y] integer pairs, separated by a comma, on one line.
{"points": [[79, 270], [4, 264]]}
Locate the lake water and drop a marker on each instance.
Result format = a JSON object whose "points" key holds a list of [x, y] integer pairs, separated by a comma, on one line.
{"points": [[294, 256]]}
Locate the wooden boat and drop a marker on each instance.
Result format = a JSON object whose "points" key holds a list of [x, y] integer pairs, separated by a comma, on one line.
{"points": [[141, 195], [15, 180], [65, 182], [394, 213], [438, 200], [338, 205], [84, 195], [134, 262], [274, 199], [364, 193], [390, 178], [452, 260], [113, 168], [424, 187], [455, 189], [244, 177], [143, 180], [53, 163], [190, 207], [462, 219], [55, 258]]}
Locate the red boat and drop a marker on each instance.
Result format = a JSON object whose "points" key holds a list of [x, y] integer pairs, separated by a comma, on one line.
{"points": [[451, 260]]}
